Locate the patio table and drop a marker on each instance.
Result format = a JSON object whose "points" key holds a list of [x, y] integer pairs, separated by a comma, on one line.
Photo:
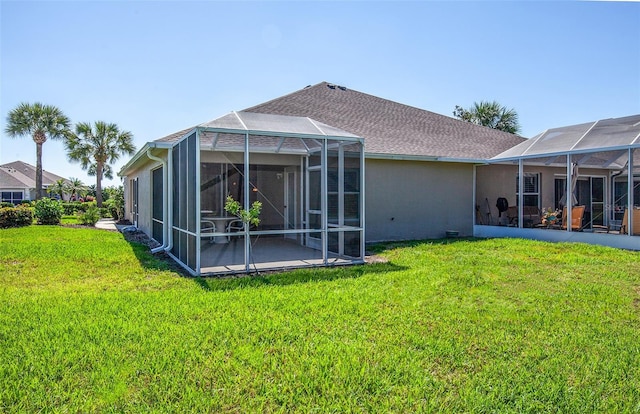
{"points": [[221, 225]]}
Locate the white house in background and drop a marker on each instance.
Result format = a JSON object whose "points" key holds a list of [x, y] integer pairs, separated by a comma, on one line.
{"points": [[18, 181], [333, 167]]}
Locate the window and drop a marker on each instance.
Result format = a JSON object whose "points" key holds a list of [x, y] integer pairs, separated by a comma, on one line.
{"points": [[531, 193], [14, 197]]}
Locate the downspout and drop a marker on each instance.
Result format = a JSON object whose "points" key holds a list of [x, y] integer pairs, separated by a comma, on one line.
{"points": [[169, 183], [165, 229]]}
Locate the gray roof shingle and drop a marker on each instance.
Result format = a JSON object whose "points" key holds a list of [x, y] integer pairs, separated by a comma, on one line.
{"points": [[388, 128], [19, 174]]}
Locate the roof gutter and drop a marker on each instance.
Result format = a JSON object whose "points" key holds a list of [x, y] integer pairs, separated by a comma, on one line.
{"points": [[142, 153], [406, 157]]}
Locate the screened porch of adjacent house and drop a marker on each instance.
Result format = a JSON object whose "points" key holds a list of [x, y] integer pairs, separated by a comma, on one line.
{"points": [[587, 175]]}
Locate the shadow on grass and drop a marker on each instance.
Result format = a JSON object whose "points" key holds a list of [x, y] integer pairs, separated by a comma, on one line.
{"points": [[290, 277], [162, 262], [377, 248], [158, 261]]}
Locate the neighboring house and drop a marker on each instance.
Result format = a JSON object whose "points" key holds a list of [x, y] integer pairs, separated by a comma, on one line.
{"points": [[332, 167], [599, 158], [18, 181]]}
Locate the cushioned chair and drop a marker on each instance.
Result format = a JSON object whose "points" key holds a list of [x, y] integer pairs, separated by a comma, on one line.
{"points": [[624, 227], [577, 213]]}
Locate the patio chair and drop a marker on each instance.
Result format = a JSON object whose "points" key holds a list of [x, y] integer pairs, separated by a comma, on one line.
{"points": [[615, 226], [577, 213], [512, 216], [207, 227], [624, 227], [235, 226]]}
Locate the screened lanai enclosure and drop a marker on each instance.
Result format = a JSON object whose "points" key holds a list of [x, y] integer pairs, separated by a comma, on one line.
{"points": [[308, 176], [587, 175]]}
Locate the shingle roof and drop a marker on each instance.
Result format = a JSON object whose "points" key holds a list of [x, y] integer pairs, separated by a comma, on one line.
{"points": [[175, 136], [19, 174], [388, 127]]}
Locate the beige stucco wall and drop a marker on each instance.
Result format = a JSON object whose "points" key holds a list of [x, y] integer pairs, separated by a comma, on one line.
{"points": [[497, 180], [408, 200], [405, 200], [143, 173]]}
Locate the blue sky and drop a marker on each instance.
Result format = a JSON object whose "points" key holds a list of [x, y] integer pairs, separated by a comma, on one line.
{"points": [[155, 67]]}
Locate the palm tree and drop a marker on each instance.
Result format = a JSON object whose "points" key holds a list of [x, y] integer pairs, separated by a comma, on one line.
{"points": [[96, 147], [41, 122], [75, 187], [490, 114], [59, 188]]}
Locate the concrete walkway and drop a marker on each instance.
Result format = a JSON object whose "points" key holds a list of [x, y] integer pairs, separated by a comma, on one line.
{"points": [[110, 224]]}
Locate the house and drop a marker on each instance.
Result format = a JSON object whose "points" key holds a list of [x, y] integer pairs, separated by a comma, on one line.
{"points": [[593, 165], [333, 168], [18, 181]]}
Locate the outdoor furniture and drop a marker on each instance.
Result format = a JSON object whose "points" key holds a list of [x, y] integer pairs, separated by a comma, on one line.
{"points": [[615, 226], [530, 216], [624, 227], [220, 223], [235, 226], [206, 228], [512, 216], [577, 213]]}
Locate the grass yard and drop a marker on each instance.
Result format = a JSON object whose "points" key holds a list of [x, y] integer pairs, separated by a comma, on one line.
{"points": [[91, 323]]}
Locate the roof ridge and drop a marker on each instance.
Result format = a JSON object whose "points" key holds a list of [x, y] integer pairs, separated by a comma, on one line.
{"points": [[378, 98], [286, 95]]}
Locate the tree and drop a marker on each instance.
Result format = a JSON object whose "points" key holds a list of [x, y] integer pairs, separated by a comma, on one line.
{"points": [[96, 147], [41, 122], [490, 114], [59, 188], [76, 188]]}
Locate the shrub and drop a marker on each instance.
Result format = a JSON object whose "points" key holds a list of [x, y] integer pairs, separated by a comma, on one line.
{"points": [[104, 212], [90, 217], [48, 211], [115, 203], [15, 217], [5, 204], [84, 206], [71, 208]]}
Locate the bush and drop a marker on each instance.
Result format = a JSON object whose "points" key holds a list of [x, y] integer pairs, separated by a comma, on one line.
{"points": [[15, 217], [104, 212], [90, 217], [48, 211], [5, 204], [84, 206], [71, 208], [115, 203]]}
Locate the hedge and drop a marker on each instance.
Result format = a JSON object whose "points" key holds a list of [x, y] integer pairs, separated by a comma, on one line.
{"points": [[15, 217]]}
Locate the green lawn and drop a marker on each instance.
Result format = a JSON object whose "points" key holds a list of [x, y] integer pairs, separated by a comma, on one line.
{"points": [[89, 322]]}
